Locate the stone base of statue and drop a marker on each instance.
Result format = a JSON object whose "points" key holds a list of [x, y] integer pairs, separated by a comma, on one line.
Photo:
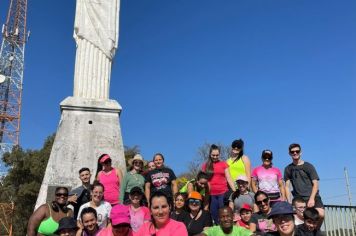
{"points": [[87, 129]]}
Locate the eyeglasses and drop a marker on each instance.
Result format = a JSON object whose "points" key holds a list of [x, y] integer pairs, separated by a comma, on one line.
{"points": [[194, 201], [294, 151], [265, 201], [61, 194]]}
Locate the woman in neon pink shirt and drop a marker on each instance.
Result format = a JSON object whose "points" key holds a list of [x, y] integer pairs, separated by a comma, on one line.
{"points": [[268, 179], [220, 177], [110, 177], [161, 224]]}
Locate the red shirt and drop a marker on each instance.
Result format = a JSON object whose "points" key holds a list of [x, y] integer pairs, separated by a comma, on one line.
{"points": [[218, 183]]}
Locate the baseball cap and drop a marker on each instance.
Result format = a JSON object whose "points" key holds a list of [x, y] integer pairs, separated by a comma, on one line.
{"points": [[195, 195], [281, 208], [66, 223], [267, 154], [242, 177], [120, 214], [246, 206]]}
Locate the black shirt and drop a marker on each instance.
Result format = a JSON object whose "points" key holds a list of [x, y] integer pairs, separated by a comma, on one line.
{"points": [[196, 226]]}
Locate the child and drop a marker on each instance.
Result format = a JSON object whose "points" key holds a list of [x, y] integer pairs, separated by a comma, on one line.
{"points": [[299, 205], [245, 214], [311, 220]]}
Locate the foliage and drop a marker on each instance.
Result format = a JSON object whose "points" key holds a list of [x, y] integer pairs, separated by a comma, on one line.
{"points": [[194, 166], [23, 181]]}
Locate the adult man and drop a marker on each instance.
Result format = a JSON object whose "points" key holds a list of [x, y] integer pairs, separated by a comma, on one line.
{"points": [[304, 179], [81, 194], [227, 226]]}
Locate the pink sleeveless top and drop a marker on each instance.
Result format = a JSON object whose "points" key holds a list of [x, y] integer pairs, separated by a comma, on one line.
{"points": [[111, 186]]}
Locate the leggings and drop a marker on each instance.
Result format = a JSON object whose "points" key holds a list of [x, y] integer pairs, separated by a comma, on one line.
{"points": [[217, 202]]}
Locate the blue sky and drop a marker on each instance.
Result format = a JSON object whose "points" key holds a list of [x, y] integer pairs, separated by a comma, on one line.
{"points": [[191, 71]]}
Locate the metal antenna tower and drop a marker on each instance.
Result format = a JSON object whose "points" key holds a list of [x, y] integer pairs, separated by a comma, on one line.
{"points": [[12, 51]]}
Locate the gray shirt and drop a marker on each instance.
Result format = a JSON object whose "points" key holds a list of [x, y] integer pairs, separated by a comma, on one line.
{"points": [[242, 199]]}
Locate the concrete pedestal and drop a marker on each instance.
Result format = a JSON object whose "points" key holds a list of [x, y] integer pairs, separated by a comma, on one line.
{"points": [[87, 129]]}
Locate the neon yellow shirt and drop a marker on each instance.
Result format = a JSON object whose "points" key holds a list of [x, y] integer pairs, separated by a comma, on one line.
{"points": [[236, 168]]}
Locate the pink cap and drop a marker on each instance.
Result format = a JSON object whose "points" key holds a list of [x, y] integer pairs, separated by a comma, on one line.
{"points": [[120, 214], [242, 177], [104, 158]]}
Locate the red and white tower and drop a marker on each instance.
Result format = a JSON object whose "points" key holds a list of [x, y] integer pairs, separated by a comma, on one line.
{"points": [[12, 52]]}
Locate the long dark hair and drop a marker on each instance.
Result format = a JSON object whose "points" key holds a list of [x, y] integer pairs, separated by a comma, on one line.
{"points": [[239, 143], [209, 164], [99, 165]]}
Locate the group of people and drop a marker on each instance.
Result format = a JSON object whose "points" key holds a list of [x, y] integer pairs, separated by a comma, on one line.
{"points": [[226, 198]]}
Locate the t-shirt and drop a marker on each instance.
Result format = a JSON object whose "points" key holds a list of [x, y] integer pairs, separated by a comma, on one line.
{"points": [[196, 226], [242, 199], [102, 211], [137, 218], [131, 180], [172, 228], [218, 182], [236, 168], [236, 231], [179, 217], [267, 178], [108, 232], [83, 195], [303, 231], [263, 224], [161, 179], [301, 177]]}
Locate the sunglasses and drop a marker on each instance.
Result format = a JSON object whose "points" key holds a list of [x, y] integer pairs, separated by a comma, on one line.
{"points": [[267, 159], [194, 201], [265, 201], [61, 194], [138, 163], [296, 151]]}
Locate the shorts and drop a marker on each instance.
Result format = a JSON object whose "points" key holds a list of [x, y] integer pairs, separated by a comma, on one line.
{"points": [[318, 202]]}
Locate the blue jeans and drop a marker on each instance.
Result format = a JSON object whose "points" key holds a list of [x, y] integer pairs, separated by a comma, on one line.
{"points": [[217, 202]]}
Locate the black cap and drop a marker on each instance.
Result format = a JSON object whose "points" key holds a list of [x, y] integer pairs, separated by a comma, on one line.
{"points": [[267, 154], [136, 190], [281, 208], [239, 143], [66, 223]]}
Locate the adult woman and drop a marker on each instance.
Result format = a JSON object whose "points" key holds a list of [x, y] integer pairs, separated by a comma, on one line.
{"points": [[241, 196], [197, 219], [179, 211], [239, 164], [44, 221], [101, 207], [110, 177], [138, 214], [199, 184], [161, 224], [220, 177], [268, 178], [88, 222], [133, 178], [161, 179], [259, 221]]}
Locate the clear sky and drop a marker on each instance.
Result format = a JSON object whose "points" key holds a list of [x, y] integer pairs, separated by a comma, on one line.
{"points": [[192, 71]]}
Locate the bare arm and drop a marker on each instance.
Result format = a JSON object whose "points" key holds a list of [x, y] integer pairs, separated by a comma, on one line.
{"points": [[174, 187], [253, 227], [207, 197], [148, 192], [282, 190], [287, 191], [229, 180], [311, 201], [231, 205], [35, 220], [190, 187], [254, 185]]}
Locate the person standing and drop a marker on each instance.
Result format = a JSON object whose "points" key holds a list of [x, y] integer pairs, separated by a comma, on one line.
{"points": [[80, 195], [304, 179], [219, 180], [239, 164], [110, 177], [268, 179], [161, 179]]}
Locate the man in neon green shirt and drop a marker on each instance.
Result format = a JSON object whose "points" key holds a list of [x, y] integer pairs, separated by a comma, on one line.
{"points": [[226, 226]]}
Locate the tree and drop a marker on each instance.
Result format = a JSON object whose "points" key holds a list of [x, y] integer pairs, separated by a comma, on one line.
{"points": [[23, 181]]}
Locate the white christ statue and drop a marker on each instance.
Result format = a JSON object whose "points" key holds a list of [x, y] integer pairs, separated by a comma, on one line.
{"points": [[96, 35]]}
